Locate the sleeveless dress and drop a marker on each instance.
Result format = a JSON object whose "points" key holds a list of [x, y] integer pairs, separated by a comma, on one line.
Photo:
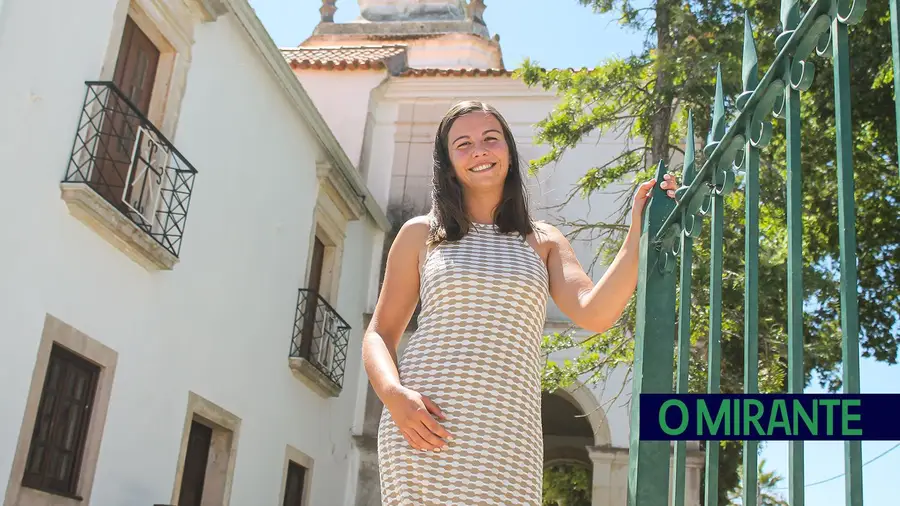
{"points": [[476, 353]]}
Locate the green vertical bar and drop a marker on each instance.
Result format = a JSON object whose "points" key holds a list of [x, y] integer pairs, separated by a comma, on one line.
{"points": [[751, 257], [684, 315], [751, 305], [796, 495], [648, 461], [847, 235], [895, 46], [714, 354]]}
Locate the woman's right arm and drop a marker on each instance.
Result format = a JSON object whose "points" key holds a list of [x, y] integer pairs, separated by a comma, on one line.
{"points": [[412, 412]]}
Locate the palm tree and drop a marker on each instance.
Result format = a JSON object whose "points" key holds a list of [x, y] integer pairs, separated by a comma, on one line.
{"points": [[767, 491]]}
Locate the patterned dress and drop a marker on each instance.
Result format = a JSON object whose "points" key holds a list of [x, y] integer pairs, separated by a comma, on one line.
{"points": [[476, 354]]}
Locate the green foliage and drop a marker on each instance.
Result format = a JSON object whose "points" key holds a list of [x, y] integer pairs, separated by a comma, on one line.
{"points": [[769, 482], [646, 97], [567, 485]]}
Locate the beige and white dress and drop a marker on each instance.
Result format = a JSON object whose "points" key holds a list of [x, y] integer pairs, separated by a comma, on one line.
{"points": [[476, 354]]}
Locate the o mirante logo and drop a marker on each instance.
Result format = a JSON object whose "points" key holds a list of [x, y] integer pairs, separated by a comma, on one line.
{"points": [[755, 417]]}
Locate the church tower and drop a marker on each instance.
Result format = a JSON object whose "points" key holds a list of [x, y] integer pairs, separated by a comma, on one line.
{"points": [[436, 35]]}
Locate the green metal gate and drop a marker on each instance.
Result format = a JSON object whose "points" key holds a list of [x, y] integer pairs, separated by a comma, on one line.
{"points": [[670, 229]]}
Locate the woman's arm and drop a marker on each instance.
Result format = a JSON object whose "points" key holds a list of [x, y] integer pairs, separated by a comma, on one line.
{"points": [[597, 307], [396, 304], [412, 412]]}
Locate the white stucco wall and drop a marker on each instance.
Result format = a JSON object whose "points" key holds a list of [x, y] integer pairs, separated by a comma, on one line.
{"points": [[220, 323], [343, 102]]}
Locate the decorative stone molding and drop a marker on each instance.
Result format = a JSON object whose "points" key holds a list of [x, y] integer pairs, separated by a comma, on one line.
{"points": [[309, 374], [210, 10], [336, 187], [475, 10], [94, 211], [327, 10]]}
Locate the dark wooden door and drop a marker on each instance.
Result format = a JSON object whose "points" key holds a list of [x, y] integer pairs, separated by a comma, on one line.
{"points": [[196, 457], [312, 299], [293, 489], [60, 429], [135, 75]]}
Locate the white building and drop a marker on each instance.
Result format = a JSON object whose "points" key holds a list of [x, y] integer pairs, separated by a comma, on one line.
{"points": [[147, 361], [165, 233]]}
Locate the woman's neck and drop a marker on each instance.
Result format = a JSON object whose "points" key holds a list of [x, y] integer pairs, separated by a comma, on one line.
{"points": [[480, 206]]}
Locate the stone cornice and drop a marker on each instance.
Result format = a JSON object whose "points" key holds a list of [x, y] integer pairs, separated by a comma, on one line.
{"points": [[439, 87]]}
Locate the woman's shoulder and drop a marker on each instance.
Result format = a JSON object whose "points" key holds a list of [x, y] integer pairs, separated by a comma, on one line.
{"points": [[414, 232], [417, 225], [545, 232]]}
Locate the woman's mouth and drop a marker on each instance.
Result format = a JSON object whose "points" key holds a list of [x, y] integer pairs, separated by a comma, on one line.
{"points": [[483, 167]]}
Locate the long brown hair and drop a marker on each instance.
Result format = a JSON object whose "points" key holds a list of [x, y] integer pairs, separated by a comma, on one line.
{"points": [[449, 220]]}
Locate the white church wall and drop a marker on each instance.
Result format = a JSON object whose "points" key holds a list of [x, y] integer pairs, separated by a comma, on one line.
{"points": [[343, 100], [219, 323]]}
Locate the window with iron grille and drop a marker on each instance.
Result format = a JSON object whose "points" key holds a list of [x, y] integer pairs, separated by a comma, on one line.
{"points": [[60, 428]]}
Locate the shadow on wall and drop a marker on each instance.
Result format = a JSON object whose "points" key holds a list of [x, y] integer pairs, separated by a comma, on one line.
{"points": [[398, 214]]}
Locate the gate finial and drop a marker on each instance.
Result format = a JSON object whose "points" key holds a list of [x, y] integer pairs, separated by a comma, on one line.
{"points": [[718, 117], [749, 64]]}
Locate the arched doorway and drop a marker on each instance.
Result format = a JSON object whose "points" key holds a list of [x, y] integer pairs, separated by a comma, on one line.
{"points": [[568, 469]]}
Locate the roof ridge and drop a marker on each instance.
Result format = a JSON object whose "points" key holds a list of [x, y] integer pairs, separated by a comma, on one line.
{"points": [[318, 48]]}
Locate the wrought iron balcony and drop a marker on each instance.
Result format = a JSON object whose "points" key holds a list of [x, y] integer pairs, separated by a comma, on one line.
{"points": [[320, 336], [130, 164]]}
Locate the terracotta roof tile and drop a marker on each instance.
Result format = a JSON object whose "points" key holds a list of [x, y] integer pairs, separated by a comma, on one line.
{"points": [[390, 57], [346, 57]]}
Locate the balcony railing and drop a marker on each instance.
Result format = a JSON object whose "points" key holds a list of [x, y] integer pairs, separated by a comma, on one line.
{"points": [[124, 158], [320, 336]]}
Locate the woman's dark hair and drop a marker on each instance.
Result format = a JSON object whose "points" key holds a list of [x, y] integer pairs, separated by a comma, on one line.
{"points": [[449, 220]]}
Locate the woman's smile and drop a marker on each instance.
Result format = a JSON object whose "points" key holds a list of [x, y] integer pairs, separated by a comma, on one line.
{"points": [[483, 167]]}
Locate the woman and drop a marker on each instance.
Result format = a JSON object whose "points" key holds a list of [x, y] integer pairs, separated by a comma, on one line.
{"points": [[461, 423]]}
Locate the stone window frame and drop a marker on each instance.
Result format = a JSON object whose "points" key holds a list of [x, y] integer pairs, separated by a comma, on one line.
{"points": [[334, 210], [170, 25], [60, 333], [330, 227], [226, 428], [292, 454]]}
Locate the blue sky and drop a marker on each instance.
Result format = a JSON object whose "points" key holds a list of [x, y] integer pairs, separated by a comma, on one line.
{"points": [[561, 33]]}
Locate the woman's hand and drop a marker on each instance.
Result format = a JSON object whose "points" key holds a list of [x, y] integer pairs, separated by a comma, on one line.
{"points": [[414, 413], [670, 184]]}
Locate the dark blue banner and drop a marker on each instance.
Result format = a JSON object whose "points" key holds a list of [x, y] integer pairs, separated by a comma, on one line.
{"points": [[770, 417]]}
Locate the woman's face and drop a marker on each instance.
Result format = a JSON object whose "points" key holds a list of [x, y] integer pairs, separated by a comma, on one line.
{"points": [[478, 151]]}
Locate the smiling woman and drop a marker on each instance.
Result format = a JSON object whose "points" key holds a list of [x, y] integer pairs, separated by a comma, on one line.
{"points": [[461, 422], [474, 150]]}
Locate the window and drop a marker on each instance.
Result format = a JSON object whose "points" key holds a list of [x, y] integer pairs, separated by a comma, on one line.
{"points": [[207, 457], [135, 75], [125, 179], [60, 428], [293, 488], [314, 286], [195, 460], [320, 336], [296, 475]]}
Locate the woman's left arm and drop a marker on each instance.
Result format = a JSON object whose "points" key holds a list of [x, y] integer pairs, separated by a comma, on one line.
{"points": [[597, 307]]}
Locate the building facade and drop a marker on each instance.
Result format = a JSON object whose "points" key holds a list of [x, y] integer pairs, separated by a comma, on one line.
{"points": [[195, 238], [188, 256]]}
